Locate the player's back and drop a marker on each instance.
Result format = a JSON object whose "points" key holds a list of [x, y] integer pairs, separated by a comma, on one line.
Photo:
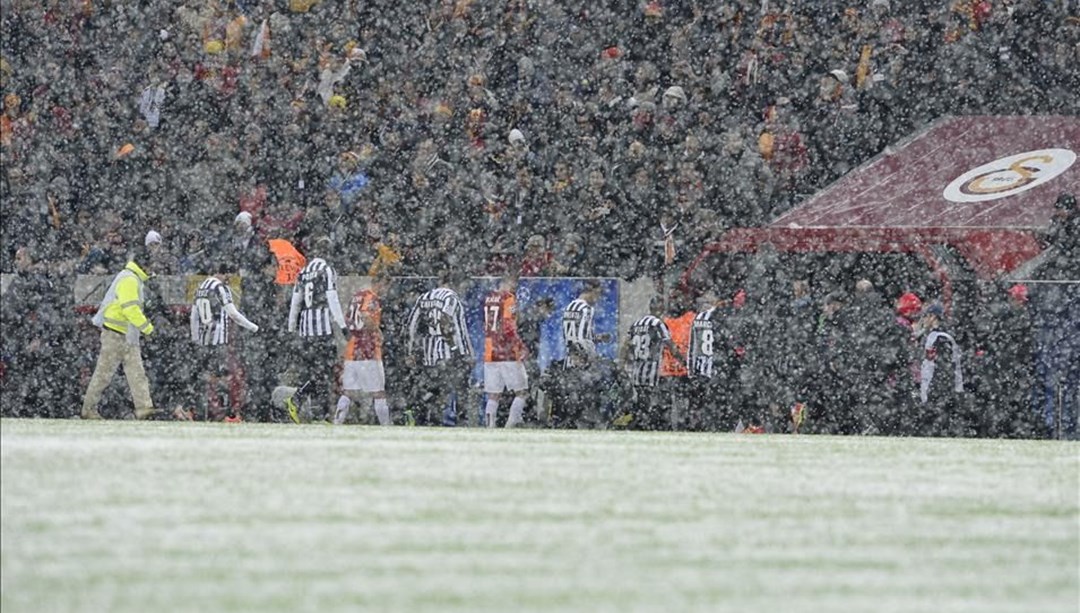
{"points": [[578, 322], [365, 340], [501, 340], [316, 280], [429, 308], [647, 338], [438, 321], [703, 332], [209, 320]]}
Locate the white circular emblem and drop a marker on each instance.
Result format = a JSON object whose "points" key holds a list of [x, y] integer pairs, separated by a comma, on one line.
{"points": [[1009, 176]]}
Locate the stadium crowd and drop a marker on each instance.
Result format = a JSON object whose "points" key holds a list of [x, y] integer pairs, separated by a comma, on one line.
{"points": [[606, 138]]}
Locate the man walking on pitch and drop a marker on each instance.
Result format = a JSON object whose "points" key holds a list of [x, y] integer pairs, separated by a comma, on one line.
{"points": [[121, 319], [709, 364], [211, 313], [437, 325], [578, 332], [648, 339], [363, 371], [504, 353], [585, 377], [941, 392], [314, 312]]}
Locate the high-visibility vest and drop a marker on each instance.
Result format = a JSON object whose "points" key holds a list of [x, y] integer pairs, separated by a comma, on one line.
{"points": [[121, 309], [680, 335], [290, 261]]}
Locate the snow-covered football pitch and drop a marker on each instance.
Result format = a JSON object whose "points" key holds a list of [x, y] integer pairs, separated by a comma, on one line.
{"points": [[126, 516]]}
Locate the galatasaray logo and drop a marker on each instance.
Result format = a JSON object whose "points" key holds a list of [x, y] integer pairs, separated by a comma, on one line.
{"points": [[1009, 176]]}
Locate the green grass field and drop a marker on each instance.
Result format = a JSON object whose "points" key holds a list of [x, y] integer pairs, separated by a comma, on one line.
{"points": [[126, 516]]}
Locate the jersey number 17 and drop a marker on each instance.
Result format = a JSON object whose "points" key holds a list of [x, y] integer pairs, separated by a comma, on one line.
{"points": [[491, 317]]}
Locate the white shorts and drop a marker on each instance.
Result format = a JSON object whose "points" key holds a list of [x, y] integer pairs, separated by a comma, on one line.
{"points": [[363, 375], [505, 375]]}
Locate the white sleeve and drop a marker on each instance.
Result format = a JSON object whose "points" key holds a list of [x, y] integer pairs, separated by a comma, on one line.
{"points": [[294, 306], [332, 298], [335, 307], [194, 323], [225, 294], [239, 318], [414, 322], [464, 331], [449, 306], [665, 332]]}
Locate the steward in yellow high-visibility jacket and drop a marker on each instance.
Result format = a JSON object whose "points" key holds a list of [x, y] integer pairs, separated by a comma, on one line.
{"points": [[121, 320], [121, 310]]}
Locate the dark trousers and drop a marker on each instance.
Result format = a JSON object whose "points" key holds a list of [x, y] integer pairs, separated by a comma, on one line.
{"points": [[711, 404], [317, 362], [443, 394], [649, 408]]}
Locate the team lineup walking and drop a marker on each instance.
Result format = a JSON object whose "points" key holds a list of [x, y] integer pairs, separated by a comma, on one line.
{"points": [[679, 367]]}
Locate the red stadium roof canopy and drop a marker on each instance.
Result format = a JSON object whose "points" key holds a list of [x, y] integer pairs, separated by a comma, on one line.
{"points": [[985, 186]]}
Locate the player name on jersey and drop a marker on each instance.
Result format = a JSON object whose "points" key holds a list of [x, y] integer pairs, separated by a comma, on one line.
{"points": [[314, 300], [647, 338], [501, 340], [703, 333], [438, 321], [578, 328], [209, 319]]}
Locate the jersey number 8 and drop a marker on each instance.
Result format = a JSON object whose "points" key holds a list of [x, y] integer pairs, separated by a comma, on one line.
{"points": [[706, 345]]}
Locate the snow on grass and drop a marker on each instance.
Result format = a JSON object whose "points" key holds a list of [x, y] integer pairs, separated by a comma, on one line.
{"points": [[125, 516]]}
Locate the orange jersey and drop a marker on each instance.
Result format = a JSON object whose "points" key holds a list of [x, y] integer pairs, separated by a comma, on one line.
{"points": [[501, 340], [680, 335], [365, 340]]}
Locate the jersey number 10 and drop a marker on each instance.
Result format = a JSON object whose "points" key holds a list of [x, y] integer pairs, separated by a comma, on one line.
{"points": [[203, 308]]}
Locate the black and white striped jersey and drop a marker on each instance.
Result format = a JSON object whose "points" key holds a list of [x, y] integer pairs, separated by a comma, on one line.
{"points": [[705, 342], [209, 321], [315, 308], [647, 338], [211, 311], [438, 322], [577, 325]]}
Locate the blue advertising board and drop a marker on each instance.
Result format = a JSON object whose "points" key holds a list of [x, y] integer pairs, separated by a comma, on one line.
{"points": [[562, 291]]}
